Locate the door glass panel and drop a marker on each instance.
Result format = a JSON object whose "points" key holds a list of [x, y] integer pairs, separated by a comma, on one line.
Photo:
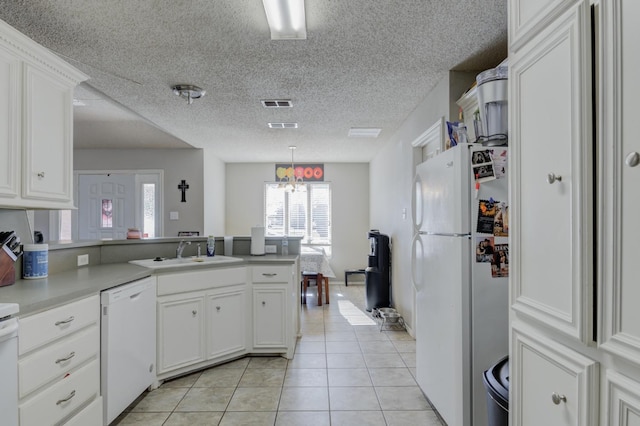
{"points": [[107, 213], [149, 210]]}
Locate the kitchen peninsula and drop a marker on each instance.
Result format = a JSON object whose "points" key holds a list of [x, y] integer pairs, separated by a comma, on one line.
{"points": [[207, 312]]}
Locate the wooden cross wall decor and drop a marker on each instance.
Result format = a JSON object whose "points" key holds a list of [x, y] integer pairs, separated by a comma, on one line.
{"points": [[183, 187]]}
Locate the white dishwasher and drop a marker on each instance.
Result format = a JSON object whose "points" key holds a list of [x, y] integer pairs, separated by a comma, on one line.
{"points": [[128, 344], [9, 364]]}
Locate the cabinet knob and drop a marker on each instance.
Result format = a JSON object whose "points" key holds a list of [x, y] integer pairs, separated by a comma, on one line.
{"points": [[552, 178], [194, 312], [633, 159], [41, 175], [557, 399], [218, 308], [264, 303]]}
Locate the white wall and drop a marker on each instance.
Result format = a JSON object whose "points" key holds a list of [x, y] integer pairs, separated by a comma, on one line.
{"points": [[214, 187], [391, 178], [349, 209], [177, 164]]}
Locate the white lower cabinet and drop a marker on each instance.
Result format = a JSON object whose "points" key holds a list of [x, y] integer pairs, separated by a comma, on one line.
{"points": [[202, 318], [622, 400], [274, 298], [553, 385], [226, 322], [209, 316], [59, 365], [181, 331], [269, 317]]}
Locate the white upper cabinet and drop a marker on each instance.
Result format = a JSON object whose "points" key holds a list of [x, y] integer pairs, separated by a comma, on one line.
{"points": [[529, 17], [619, 224], [10, 78], [551, 183], [36, 124]]}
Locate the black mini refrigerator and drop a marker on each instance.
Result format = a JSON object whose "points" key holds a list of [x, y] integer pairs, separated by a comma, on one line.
{"points": [[378, 274]]}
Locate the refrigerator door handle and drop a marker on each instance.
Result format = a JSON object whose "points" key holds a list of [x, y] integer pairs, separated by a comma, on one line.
{"points": [[416, 203], [444, 234], [416, 271]]}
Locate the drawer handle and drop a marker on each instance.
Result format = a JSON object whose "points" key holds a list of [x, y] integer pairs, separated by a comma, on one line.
{"points": [[41, 175], [67, 321], [264, 274], [551, 178], [65, 359], [557, 399], [63, 400]]}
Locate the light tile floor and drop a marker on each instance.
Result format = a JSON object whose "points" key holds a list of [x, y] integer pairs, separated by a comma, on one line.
{"points": [[345, 372]]}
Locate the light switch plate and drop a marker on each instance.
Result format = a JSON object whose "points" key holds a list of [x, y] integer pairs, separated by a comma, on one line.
{"points": [[270, 249]]}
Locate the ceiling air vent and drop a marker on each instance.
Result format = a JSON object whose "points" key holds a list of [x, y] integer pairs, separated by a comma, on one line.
{"points": [[277, 103], [283, 125], [364, 132]]}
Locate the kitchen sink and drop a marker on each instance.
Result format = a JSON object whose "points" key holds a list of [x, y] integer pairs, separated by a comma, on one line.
{"points": [[161, 262]]}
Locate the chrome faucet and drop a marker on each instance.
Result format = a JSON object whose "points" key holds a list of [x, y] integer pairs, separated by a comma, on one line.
{"points": [[181, 247]]}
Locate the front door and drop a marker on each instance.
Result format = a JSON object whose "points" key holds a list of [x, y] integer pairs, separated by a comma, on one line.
{"points": [[106, 205]]}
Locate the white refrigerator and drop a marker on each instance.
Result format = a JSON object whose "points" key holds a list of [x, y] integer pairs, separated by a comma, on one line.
{"points": [[460, 273]]}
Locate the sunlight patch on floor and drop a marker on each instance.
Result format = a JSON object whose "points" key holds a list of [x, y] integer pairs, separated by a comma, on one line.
{"points": [[353, 314]]}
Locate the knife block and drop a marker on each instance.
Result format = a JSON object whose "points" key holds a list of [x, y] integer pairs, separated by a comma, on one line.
{"points": [[7, 267]]}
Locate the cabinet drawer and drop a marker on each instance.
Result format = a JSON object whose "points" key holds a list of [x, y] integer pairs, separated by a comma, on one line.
{"points": [[47, 364], [90, 415], [271, 274], [63, 398], [50, 325]]}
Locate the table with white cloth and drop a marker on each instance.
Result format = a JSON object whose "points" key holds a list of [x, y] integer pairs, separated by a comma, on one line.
{"points": [[314, 261]]}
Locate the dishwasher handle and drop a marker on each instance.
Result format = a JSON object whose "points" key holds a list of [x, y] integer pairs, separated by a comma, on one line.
{"points": [[9, 330]]}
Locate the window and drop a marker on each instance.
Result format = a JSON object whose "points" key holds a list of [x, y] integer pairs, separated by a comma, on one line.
{"points": [[305, 214]]}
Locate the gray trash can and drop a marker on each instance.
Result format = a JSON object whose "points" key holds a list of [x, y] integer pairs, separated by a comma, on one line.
{"points": [[496, 382]]}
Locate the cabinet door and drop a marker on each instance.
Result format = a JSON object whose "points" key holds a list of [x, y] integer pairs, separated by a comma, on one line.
{"points": [[48, 138], [550, 384], [551, 183], [528, 17], [226, 326], [9, 125], [269, 317], [622, 398], [621, 171], [181, 331]]}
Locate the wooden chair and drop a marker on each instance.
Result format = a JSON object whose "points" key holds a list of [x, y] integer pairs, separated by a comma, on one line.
{"points": [[315, 277]]}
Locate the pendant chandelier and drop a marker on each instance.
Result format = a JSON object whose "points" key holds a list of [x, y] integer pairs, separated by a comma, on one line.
{"points": [[292, 181]]}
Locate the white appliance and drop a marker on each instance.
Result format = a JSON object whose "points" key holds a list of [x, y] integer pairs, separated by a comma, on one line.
{"points": [[462, 320], [9, 363], [128, 349]]}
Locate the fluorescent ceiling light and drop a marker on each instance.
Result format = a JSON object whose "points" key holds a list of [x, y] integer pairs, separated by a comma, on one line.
{"points": [[282, 125], [286, 19], [364, 132]]}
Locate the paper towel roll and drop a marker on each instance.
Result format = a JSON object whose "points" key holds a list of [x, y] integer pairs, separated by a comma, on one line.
{"points": [[257, 241], [228, 246]]}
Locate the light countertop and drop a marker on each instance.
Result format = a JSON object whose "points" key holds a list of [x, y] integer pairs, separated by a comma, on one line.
{"points": [[37, 295]]}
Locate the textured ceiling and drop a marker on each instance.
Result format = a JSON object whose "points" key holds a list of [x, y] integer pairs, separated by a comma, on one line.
{"points": [[364, 64]]}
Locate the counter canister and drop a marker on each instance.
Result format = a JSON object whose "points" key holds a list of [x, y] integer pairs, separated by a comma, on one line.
{"points": [[35, 261]]}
